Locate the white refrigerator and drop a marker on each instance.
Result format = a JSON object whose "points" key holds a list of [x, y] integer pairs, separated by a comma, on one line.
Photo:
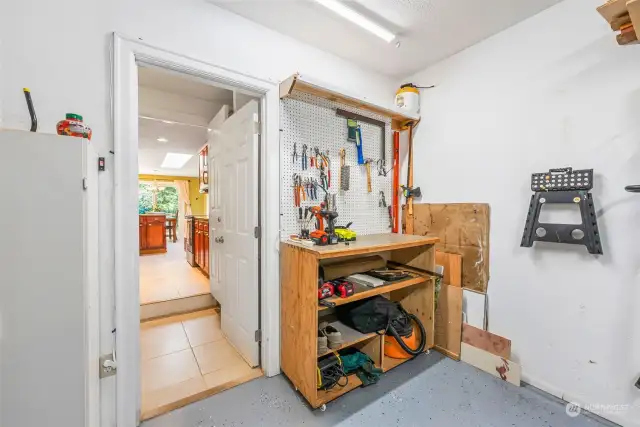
{"points": [[48, 280]]}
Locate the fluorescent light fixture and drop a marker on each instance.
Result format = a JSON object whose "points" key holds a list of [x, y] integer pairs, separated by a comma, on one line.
{"points": [[162, 139], [175, 160], [358, 19]]}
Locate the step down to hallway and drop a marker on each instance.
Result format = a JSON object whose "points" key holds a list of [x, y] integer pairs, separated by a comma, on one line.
{"points": [[154, 310]]}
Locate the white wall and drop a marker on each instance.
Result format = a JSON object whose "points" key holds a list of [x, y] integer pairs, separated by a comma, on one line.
{"points": [[553, 91], [61, 50]]}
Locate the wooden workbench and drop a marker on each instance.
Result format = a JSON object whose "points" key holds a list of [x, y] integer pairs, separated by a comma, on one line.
{"points": [[299, 265]]}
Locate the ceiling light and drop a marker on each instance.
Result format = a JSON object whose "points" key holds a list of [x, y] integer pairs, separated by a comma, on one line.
{"points": [[162, 139], [169, 122], [175, 160], [358, 19]]}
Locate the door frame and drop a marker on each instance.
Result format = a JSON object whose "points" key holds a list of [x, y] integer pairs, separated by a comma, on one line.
{"points": [[128, 53]]}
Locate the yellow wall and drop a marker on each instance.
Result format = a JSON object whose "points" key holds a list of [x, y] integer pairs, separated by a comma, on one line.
{"points": [[198, 203]]}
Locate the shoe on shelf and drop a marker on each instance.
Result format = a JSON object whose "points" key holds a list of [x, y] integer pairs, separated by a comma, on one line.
{"points": [[322, 343], [334, 337]]}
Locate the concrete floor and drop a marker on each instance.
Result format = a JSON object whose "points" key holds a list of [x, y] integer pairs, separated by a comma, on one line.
{"points": [[429, 391]]}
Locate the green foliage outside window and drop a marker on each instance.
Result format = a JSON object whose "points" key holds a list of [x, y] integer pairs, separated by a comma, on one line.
{"points": [[166, 199]]}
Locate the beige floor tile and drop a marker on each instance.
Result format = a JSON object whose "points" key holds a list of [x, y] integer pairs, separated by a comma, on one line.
{"points": [[168, 276], [216, 355], [157, 290], [162, 339], [203, 330], [167, 370], [232, 373], [172, 393], [193, 287]]}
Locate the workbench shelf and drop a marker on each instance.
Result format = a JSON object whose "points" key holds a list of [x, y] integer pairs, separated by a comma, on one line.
{"points": [[301, 313], [350, 337], [363, 292]]}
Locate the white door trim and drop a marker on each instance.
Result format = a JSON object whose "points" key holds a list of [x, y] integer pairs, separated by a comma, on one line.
{"points": [[127, 53]]}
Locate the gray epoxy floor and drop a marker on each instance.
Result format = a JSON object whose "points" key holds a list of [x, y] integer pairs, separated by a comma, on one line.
{"points": [[431, 390]]}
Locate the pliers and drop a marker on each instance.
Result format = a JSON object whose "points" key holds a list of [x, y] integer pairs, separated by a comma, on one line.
{"points": [[294, 156], [304, 156]]}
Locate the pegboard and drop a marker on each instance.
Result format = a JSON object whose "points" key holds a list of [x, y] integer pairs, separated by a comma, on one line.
{"points": [[307, 119]]}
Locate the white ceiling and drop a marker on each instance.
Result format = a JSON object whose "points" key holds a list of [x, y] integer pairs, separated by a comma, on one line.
{"points": [[167, 96], [429, 30]]}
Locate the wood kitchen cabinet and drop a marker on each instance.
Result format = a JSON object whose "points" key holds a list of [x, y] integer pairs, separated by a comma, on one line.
{"points": [[152, 233], [201, 244]]}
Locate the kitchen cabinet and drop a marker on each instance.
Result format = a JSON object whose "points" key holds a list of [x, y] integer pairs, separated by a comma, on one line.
{"points": [[152, 233], [201, 244]]}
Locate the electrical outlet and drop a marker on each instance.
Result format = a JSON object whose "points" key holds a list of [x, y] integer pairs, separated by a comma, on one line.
{"points": [[107, 366]]}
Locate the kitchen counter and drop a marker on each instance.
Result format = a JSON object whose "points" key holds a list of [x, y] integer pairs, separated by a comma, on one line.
{"points": [[153, 233]]}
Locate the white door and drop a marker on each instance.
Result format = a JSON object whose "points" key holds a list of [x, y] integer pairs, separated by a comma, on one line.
{"points": [[233, 219], [215, 147]]}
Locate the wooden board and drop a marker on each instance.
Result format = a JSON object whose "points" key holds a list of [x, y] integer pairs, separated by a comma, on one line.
{"points": [[448, 321], [362, 291], [495, 365], [399, 119], [366, 245], [486, 341], [633, 6], [612, 9], [462, 228], [298, 319], [452, 264]]}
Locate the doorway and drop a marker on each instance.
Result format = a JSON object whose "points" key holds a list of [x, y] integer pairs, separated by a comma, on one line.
{"points": [[196, 327], [192, 345]]}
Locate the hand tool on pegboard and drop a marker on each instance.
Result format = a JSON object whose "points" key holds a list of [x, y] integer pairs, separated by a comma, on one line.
{"points": [[344, 171], [294, 156], [304, 156], [367, 165], [396, 181], [354, 129]]}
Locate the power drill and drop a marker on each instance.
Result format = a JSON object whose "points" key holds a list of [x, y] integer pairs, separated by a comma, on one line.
{"points": [[320, 236]]}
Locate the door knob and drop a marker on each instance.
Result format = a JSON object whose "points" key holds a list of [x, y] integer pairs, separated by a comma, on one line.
{"points": [[221, 240], [219, 219]]}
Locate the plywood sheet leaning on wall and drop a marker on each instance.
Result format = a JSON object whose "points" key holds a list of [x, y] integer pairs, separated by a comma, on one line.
{"points": [[448, 321], [448, 315], [463, 228], [486, 341], [497, 366]]}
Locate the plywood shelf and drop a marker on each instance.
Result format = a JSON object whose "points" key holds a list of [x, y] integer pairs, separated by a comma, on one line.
{"points": [[297, 82], [390, 363], [367, 244], [615, 13], [325, 396], [362, 291], [350, 337]]}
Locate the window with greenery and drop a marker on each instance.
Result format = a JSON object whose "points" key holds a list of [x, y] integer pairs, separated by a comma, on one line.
{"points": [[155, 197]]}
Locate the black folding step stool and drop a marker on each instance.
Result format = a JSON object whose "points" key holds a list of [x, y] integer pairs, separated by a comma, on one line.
{"points": [[563, 186]]}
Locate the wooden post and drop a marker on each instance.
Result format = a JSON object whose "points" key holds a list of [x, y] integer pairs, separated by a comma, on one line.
{"points": [[409, 217]]}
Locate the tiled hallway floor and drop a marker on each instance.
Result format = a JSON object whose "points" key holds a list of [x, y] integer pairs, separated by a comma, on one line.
{"points": [[169, 276], [184, 358]]}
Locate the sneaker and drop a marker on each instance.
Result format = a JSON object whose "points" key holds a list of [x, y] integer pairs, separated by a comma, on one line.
{"points": [[334, 337], [322, 343]]}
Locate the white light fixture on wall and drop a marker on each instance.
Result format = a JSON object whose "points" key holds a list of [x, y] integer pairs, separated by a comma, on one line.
{"points": [[358, 19], [175, 160]]}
